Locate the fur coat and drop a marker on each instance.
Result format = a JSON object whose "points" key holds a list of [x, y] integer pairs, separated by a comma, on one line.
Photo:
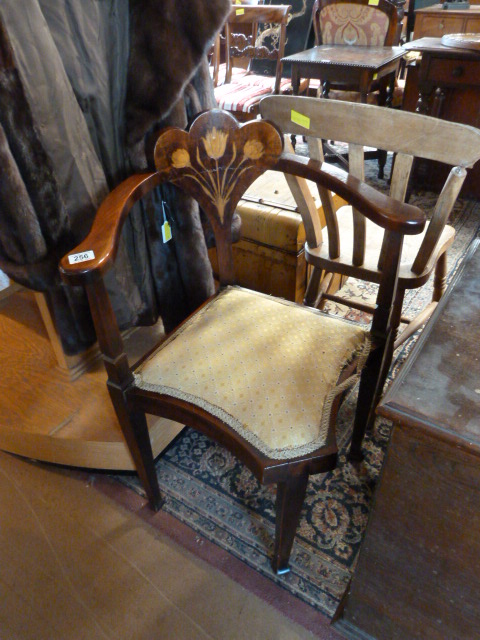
{"points": [[154, 58]]}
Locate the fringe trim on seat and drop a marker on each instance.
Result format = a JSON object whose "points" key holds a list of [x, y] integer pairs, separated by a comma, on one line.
{"points": [[346, 384]]}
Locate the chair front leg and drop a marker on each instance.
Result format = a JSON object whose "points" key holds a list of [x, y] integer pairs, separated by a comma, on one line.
{"points": [[135, 431], [290, 498], [372, 381], [313, 285]]}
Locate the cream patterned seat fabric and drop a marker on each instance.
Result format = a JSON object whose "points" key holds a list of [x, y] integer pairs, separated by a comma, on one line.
{"points": [[275, 391]]}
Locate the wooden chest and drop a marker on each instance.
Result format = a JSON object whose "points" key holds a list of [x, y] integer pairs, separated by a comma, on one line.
{"points": [[270, 256], [418, 572]]}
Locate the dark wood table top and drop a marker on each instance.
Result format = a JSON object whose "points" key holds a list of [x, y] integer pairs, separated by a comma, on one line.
{"points": [[346, 55], [439, 386]]}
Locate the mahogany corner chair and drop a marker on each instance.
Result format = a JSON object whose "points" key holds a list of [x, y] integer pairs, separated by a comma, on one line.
{"points": [[260, 375]]}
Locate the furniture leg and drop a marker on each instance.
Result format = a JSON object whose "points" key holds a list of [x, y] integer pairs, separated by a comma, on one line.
{"points": [[373, 380], [440, 278], [135, 431], [290, 498], [311, 294]]}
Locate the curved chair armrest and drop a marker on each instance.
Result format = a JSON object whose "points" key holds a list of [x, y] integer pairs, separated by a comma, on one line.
{"points": [[386, 212], [101, 244]]}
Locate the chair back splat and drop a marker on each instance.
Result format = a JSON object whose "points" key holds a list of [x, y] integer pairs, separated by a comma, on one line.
{"points": [[260, 375], [356, 22], [356, 246]]}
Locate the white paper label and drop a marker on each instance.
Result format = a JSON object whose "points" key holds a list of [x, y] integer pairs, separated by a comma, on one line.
{"points": [[81, 257]]}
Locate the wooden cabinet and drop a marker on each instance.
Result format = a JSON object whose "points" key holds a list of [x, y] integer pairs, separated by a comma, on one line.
{"points": [[444, 83], [435, 22], [418, 572]]}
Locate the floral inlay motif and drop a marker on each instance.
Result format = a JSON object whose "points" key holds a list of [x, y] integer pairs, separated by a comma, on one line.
{"points": [[215, 143], [219, 157]]}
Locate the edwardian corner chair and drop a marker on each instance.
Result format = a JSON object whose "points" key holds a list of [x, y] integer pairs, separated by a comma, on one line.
{"points": [[356, 247], [241, 93], [260, 375]]}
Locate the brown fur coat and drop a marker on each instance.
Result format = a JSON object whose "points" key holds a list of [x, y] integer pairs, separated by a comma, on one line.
{"points": [[167, 83]]}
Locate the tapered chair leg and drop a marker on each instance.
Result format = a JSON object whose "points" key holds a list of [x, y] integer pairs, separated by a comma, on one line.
{"points": [[372, 382], [290, 498], [371, 385], [311, 294], [135, 431]]}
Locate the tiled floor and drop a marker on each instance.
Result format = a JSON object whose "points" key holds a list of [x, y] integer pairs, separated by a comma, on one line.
{"points": [[76, 564]]}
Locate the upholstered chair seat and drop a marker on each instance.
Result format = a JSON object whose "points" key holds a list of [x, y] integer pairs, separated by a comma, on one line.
{"points": [[263, 389]]}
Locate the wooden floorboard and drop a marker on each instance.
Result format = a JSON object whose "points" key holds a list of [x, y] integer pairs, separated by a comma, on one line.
{"points": [[44, 414]]}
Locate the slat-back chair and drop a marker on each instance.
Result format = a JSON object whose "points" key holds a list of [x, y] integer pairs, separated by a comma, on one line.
{"points": [[260, 375], [353, 246], [241, 94]]}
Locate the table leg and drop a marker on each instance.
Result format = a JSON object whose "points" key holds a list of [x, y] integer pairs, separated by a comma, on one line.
{"points": [[295, 80]]}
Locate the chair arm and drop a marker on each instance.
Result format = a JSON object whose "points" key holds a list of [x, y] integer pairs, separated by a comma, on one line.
{"points": [[386, 212], [101, 244]]}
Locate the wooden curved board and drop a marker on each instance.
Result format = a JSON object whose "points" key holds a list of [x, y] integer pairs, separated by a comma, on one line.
{"points": [[45, 415]]}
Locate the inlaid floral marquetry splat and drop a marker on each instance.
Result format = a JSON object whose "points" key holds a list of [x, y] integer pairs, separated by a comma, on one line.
{"points": [[217, 160]]}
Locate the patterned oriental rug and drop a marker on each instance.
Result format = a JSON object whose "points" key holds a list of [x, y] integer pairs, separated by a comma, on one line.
{"points": [[209, 490]]}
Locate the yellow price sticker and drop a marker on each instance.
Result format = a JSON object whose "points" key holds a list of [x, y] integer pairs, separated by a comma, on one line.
{"points": [[375, 76], [239, 12], [166, 231], [373, 3], [300, 119]]}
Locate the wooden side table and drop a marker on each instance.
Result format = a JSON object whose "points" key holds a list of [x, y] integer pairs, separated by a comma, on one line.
{"points": [[358, 67], [418, 573]]}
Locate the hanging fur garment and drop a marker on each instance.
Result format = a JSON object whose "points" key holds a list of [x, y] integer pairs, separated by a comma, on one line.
{"points": [[166, 81]]}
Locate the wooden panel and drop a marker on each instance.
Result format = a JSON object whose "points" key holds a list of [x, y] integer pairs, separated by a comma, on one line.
{"points": [[473, 25], [49, 417], [455, 72], [418, 575], [436, 26]]}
